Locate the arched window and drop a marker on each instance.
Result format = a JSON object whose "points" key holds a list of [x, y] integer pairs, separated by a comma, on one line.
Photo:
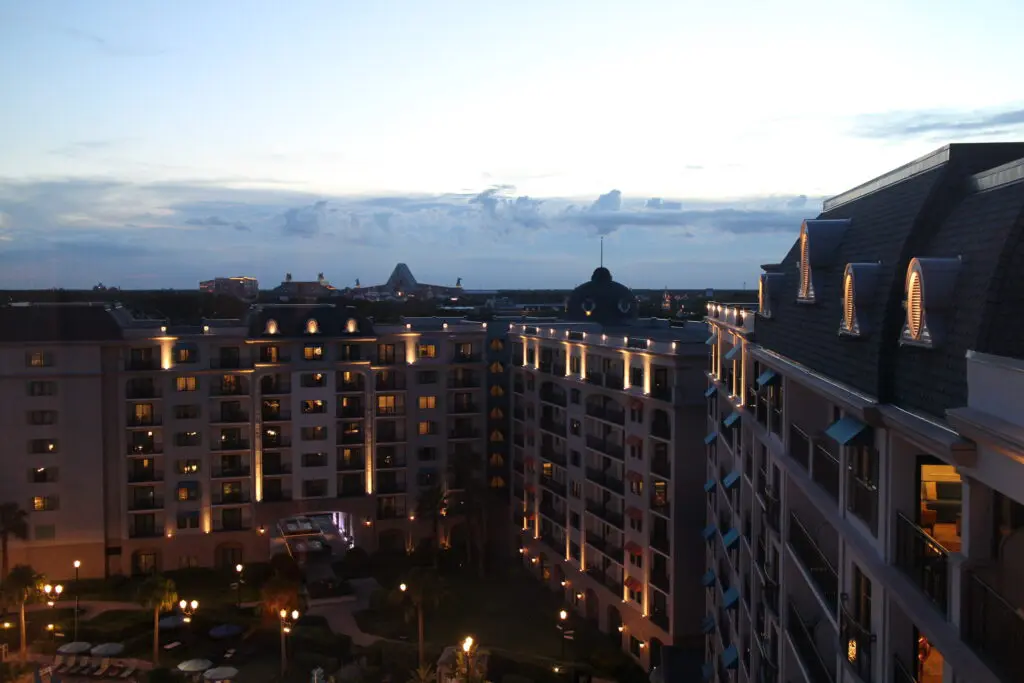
{"points": [[497, 436], [351, 326], [497, 414], [849, 305], [496, 391], [312, 326], [806, 292], [497, 367], [497, 344], [271, 327]]}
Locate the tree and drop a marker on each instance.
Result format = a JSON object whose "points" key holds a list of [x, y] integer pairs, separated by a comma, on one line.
{"points": [[423, 674], [20, 586], [279, 593], [420, 591], [428, 507], [13, 524], [159, 594], [474, 495]]}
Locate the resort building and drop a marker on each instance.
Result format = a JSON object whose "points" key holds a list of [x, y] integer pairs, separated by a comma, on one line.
{"points": [[865, 457], [607, 448]]}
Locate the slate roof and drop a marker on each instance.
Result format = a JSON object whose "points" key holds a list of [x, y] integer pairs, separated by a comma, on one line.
{"points": [[608, 301], [58, 323], [291, 320], [932, 207]]}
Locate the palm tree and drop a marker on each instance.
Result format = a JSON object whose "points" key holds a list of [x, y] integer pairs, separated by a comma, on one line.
{"points": [[159, 594], [421, 590], [428, 507], [279, 593], [21, 586], [423, 674], [13, 524], [474, 493]]}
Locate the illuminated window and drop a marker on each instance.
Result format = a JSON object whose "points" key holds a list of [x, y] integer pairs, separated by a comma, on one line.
{"points": [[188, 466], [184, 354], [351, 326], [44, 503], [497, 460], [271, 327], [427, 427], [312, 327], [806, 292], [313, 352], [186, 383], [497, 368], [497, 344], [497, 436], [39, 359], [428, 402], [427, 351], [188, 490], [389, 404], [496, 390], [497, 414], [497, 483], [547, 469]]}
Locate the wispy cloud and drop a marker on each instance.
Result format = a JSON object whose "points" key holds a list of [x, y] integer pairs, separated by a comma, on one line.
{"points": [[82, 231], [943, 124]]}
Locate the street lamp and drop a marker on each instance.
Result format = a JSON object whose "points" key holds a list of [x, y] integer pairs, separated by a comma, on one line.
{"points": [[78, 565], [287, 621], [238, 569], [562, 616], [188, 608], [468, 651], [52, 593]]}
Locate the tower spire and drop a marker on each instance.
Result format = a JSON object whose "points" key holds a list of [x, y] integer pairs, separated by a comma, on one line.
{"points": [[602, 251]]}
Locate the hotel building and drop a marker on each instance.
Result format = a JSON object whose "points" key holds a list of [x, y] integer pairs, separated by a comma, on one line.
{"points": [[865, 458], [136, 445], [607, 430]]}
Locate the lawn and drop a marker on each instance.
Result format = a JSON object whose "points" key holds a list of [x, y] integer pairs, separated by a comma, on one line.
{"points": [[209, 586]]}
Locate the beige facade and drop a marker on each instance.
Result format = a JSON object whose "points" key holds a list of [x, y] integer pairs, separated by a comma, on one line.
{"points": [[607, 441], [172, 448]]}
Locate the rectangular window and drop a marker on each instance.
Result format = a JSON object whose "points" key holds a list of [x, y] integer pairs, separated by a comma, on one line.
{"points": [[428, 402], [574, 396], [390, 404], [188, 519], [636, 560], [350, 352], [42, 417], [42, 388], [314, 488], [314, 433], [314, 459], [186, 412], [636, 377], [42, 475], [188, 490], [39, 359], [38, 446], [426, 377], [185, 383], [427, 351], [44, 503], [314, 407], [190, 438], [188, 466], [385, 354], [427, 427], [313, 379], [313, 352], [574, 365], [185, 354]]}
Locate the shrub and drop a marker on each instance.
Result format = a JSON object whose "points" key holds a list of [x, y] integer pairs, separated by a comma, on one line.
{"points": [[161, 675]]}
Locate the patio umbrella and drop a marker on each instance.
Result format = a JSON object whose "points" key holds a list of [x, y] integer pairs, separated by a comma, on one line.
{"points": [[108, 650], [221, 673], [194, 666], [74, 648], [171, 622], [225, 631]]}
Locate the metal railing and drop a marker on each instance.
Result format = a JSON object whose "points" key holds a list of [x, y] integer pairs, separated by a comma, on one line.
{"points": [[799, 446], [858, 642], [862, 500], [924, 560], [825, 470], [802, 635], [823, 574], [992, 626]]}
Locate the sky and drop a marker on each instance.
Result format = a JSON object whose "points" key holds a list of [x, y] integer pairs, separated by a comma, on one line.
{"points": [[152, 144]]}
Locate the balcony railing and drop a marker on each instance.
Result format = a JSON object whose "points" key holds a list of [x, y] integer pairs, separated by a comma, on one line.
{"points": [[553, 426], [661, 543], [229, 498], [231, 472], [611, 516], [231, 525], [612, 414], [901, 672], [858, 643], [923, 560], [145, 448], [466, 358], [550, 396], [155, 503], [230, 445], [231, 417], [613, 381], [825, 470], [276, 496], [466, 381], [137, 391], [662, 393], [276, 468], [143, 476], [141, 364], [144, 421], [862, 500], [145, 532], [802, 635], [992, 626], [661, 466], [661, 430], [595, 378], [463, 408], [549, 453], [553, 485], [799, 446], [605, 446], [607, 480], [821, 570], [272, 388], [230, 363], [276, 415], [464, 433], [352, 411]]}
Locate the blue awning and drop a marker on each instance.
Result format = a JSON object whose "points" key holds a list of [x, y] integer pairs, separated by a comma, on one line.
{"points": [[845, 430], [731, 657], [709, 531], [730, 479], [731, 597], [710, 438], [709, 485], [707, 671], [766, 378], [711, 340], [708, 580], [707, 625], [730, 538], [712, 390], [733, 418], [733, 352]]}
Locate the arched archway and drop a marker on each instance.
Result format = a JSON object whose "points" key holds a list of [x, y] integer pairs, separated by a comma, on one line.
{"points": [[391, 540], [592, 608], [605, 408], [614, 622], [146, 561], [228, 555], [655, 648]]}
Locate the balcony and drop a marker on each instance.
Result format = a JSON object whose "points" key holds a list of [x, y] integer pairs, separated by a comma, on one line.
{"points": [[607, 480], [661, 466], [825, 470], [268, 387], [229, 389], [276, 415], [142, 364], [818, 671], [273, 469], [230, 363], [141, 390], [144, 532], [393, 486], [391, 382], [463, 408], [595, 378], [661, 580], [611, 413], [517, 387], [272, 355], [549, 453], [231, 525], [924, 561], [350, 438], [276, 441], [662, 393], [276, 496], [144, 420], [858, 643], [549, 395], [661, 505], [143, 476], [599, 510], [862, 500], [229, 497], [599, 575], [231, 445], [799, 446], [557, 487], [772, 510], [992, 627], [351, 492], [466, 381], [146, 503], [466, 358], [381, 411], [661, 543], [823, 574], [661, 430], [553, 426], [548, 509], [231, 417], [230, 472], [609, 448], [145, 448], [350, 386], [464, 433], [614, 381], [610, 549]]}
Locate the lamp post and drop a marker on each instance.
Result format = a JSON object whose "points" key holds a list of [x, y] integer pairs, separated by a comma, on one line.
{"points": [[288, 620], [188, 608], [468, 650], [52, 593], [78, 565], [562, 616], [238, 582]]}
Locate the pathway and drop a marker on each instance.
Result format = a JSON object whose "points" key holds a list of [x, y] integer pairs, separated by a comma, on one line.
{"points": [[340, 616]]}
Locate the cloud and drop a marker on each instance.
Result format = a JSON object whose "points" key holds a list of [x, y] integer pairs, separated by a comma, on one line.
{"points": [[82, 231], [945, 124]]}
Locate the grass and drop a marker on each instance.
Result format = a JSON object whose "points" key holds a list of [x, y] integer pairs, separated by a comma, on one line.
{"points": [[212, 587]]}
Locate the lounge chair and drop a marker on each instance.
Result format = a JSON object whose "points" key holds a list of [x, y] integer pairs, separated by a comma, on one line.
{"points": [[82, 665], [87, 667], [104, 665], [116, 667], [58, 661], [69, 664], [127, 672]]}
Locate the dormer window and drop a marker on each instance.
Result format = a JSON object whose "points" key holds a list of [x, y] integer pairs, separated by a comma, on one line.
{"points": [[858, 290], [271, 327], [312, 326], [819, 245], [767, 290], [351, 326], [928, 290], [806, 292]]}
